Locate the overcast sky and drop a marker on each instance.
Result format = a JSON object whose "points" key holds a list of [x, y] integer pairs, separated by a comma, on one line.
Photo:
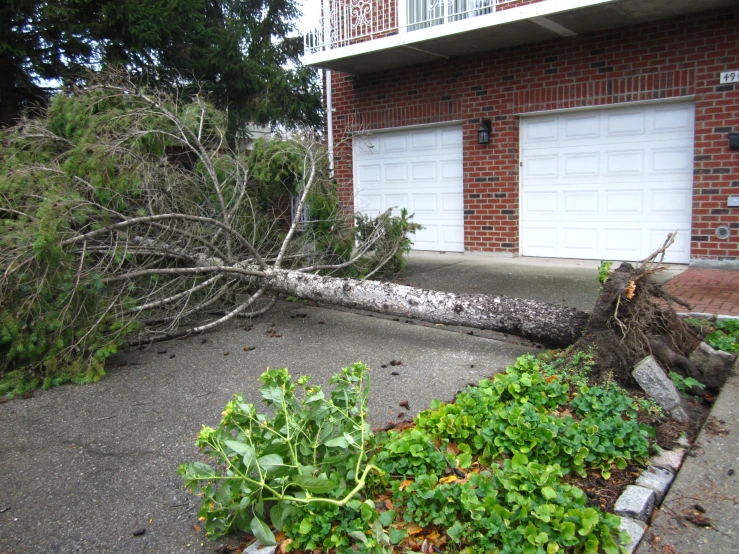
{"points": [[311, 12]]}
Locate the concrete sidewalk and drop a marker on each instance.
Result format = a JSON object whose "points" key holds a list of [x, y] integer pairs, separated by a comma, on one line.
{"points": [[707, 485]]}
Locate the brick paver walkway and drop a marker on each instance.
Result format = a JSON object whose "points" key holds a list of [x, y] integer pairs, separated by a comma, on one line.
{"points": [[710, 291]]}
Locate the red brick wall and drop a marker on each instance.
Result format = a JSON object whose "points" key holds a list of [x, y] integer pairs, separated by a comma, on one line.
{"points": [[657, 60]]}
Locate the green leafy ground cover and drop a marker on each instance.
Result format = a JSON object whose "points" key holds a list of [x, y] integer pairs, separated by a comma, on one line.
{"points": [[494, 471], [722, 334]]}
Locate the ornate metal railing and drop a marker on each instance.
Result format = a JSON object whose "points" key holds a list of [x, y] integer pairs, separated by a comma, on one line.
{"points": [[345, 22]]}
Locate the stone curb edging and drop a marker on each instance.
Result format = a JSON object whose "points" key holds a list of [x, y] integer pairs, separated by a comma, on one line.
{"points": [[638, 501]]}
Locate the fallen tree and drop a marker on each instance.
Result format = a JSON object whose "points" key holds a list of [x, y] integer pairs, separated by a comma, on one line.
{"points": [[126, 217], [538, 321]]}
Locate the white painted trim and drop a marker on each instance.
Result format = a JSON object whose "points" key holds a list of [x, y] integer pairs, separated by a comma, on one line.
{"points": [[520, 191], [613, 106], [522, 13], [330, 119], [355, 191], [401, 8], [410, 127]]}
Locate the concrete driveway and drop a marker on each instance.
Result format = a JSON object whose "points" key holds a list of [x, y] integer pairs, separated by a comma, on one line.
{"points": [[85, 466], [558, 281]]}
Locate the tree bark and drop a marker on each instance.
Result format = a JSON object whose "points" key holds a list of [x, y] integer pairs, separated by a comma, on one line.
{"points": [[549, 324]]}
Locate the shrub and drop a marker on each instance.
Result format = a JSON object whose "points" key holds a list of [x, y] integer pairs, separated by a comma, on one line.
{"points": [[310, 453]]}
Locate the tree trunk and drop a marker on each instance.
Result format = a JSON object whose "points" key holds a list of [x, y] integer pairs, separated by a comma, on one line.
{"points": [[549, 324]]}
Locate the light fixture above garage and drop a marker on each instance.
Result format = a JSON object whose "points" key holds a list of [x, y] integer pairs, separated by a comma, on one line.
{"points": [[483, 133]]}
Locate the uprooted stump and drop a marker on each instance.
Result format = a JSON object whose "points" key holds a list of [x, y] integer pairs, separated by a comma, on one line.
{"points": [[634, 317]]}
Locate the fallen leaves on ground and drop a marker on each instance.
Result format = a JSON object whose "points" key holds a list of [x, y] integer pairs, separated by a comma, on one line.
{"points": [[697, 518], [715, 427]]}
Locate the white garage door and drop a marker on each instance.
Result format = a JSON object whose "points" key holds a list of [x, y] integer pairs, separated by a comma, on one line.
{"points": [[420, 170], [607, 184]]}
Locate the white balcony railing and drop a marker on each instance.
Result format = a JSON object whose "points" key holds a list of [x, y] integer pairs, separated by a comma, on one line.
{"points": [[345, 22]]}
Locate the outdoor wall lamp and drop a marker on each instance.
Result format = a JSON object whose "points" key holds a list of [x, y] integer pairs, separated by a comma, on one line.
{"points": [[483, 133]]}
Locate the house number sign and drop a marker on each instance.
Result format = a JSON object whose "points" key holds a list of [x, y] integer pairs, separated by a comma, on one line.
{"points": [[730, 76]]}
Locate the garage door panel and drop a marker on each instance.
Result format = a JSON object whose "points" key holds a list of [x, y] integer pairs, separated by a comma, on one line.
{"points": [[580, 202], [623, 162], [425, 203], [603, 197], [672, 160], [423, 171], [580, 241], [540, 202], [427, 238], [620, 203], [540, 240], [583, 164], [451, 138], [679, 249], [452, 203], [580, 127], [671, 201], [396, 172], [420, 170], [622, 242], [369, 173], [423, 140], [370, 202], [674, 118], [451, 237], [614, 166], [397, 202], [541, 166], [543, 130], [625, 123], [451, 170], [393, 143]]}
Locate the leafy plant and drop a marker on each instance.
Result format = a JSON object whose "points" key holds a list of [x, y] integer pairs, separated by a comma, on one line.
{"points": [[389, 255], [311, 453], [725, 335], [573, 368], [685, 384], [721, 334], [357, 526], [487, 470], [520, 507], [412, 452], [523, 411], [604, 271]]}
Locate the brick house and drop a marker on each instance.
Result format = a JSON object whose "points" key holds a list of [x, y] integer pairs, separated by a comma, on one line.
{"points": [[610, 122]]}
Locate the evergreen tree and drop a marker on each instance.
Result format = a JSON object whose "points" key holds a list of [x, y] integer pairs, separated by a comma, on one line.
{"points": [[244, 52]]}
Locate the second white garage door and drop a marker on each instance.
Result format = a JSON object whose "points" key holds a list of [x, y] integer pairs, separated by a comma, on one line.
{"points": [[608, 183], [420, 170]]}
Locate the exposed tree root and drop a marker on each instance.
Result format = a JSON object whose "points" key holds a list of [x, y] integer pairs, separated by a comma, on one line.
{"points": [[634, 317]]}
